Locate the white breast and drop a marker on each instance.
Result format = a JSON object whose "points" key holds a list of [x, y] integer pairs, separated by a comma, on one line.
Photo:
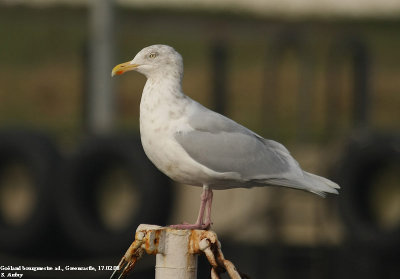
{"points": [[161, 116]]}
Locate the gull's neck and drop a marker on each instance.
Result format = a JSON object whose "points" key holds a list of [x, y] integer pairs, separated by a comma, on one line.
{"points": [[164, 87], [163, 97]]}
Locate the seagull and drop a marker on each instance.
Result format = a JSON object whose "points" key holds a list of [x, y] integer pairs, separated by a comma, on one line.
{"points": [[197, 146]]}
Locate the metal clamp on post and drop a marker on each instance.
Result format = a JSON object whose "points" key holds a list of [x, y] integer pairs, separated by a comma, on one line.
{"points": [[132, 255], [176, 253]]}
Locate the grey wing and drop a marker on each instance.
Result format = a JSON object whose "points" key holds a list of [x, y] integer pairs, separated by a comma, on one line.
{"points": [[223, 145]]}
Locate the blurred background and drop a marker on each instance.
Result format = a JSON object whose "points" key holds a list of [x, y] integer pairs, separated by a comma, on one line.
{"points": [[321, 77]]}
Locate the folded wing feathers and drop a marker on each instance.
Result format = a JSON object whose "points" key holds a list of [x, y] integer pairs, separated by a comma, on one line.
{"points": [[308, 182]]}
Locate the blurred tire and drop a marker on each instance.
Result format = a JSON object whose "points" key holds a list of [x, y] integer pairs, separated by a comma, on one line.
{"points": [[29, 163], [366, 159], [99, 165]]}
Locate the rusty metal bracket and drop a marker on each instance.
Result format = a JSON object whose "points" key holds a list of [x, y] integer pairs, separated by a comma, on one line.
{"points": [[132, 255], [155, 240]]}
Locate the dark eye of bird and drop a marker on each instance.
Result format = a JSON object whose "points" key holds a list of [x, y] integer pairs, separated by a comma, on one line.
{"points": [[153, 55]]}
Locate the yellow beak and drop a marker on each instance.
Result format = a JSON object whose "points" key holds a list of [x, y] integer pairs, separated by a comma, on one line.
{"points": [[123, 67]]}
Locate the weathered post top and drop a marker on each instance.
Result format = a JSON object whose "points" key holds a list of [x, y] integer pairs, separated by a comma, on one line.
{"points": [[176, 253]]}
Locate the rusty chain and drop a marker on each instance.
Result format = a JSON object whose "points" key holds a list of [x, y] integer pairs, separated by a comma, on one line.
{"points": [[211, 247]]}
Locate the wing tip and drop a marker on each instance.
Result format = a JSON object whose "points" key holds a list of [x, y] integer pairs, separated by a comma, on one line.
{"points": [[322, 185]]}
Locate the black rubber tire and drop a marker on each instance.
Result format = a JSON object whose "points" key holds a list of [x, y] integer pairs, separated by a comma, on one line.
{"points": [[79, 210], [364, 158], [41, 159]]}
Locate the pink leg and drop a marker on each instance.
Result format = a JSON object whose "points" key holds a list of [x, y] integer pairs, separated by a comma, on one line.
{"points": [[209, 205], [203, 203], [206, 199]]}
